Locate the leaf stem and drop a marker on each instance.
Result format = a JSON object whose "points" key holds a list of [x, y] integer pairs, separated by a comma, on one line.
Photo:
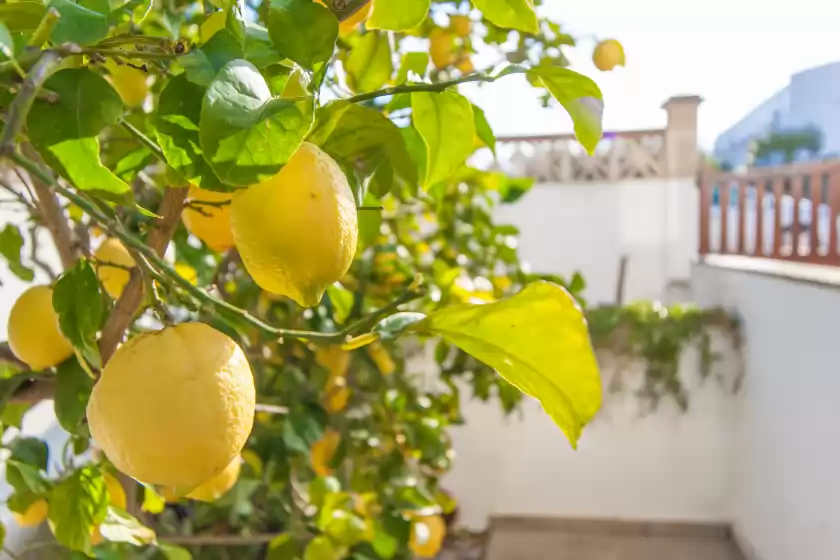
{"points": [[45, 28], [117, 53], [439, 86], [169, 276], [143, 139]]}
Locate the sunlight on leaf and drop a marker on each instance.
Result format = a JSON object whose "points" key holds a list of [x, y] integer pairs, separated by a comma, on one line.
{"points": [[538, 341], [398, 15], [510, 14], [446, 123]]}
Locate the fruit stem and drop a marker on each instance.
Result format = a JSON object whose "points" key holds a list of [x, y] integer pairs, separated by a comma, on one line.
{"points": [[166, 274]]}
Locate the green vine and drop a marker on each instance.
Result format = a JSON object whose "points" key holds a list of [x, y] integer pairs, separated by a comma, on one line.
{"points": [[658, 335]]}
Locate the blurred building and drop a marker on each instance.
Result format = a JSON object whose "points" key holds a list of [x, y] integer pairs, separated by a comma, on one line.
{"points": [[810, 100]]}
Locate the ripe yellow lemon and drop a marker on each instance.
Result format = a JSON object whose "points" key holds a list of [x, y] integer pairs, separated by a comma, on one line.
{"points": [[113, 278], [608, 54], [322, 452], [441, 44], [34, 336], [34, 514], [116, 493], [211, 224], [460, 25], [427, 533], [312, 246], [174, 407], [219, 485], [465, 65], [131, 84]]}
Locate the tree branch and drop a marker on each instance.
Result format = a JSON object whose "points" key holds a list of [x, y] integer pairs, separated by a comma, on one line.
{"points": [[220, 540], [8, 357], [438, 87], [132, 296], [53, 218]]}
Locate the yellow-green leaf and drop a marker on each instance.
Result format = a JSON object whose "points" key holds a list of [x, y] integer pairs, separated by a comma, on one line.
{"points": [[446, 123], [510, 14], [580, 96], [539, 342], [120, 526], [369, 63], [398, 15]]}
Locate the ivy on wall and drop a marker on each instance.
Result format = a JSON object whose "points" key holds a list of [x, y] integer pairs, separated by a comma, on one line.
{"points": [[658, 335]]}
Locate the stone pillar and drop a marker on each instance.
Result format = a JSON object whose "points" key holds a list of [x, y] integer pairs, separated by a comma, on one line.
{"points": [[681, 153]]}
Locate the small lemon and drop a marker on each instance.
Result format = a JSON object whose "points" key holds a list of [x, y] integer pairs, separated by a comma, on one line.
{"points": [[441, 44], [465, 65], [209, 223], [187, 272], [608, 54], [34, 336], [312, 246], [131, 83], [427, 533], [336, 394], [174, 407], [460, 25], [34, 514], [322, 452], [116, 493], [219, 485], [113, 278]]}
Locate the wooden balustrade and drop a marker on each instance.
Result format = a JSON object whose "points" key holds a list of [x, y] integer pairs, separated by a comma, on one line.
{"points": [[786, 212]]}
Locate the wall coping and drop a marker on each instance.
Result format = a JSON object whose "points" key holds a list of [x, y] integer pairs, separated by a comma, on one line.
{"points": [[817, 274]]}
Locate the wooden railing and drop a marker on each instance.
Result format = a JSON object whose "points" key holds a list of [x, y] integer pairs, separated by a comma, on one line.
{"points": [[787, 212], [620, 155]]}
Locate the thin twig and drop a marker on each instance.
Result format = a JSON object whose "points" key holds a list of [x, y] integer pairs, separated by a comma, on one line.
{"points": [[19, 197], [53, 218], [45, 28], [438, 87], [220, 540], [145, 140], [33, 255], [116, 53]]}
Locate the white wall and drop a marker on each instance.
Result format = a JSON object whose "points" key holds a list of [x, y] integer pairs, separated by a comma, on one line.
{"points": [[786, 501], [588, 226], [630, 464]]}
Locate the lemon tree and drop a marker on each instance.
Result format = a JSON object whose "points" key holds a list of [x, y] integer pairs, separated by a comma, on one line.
{"points": [[239, 224]]}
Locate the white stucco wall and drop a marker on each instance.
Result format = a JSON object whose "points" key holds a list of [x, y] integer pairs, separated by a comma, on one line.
{"points": [[786, 490], [589, 226], [630, 464]]}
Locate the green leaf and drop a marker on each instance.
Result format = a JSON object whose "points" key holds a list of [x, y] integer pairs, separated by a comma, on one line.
{"points": [[22, 16], [2, 535], [369, 65], [580, 96], [393, 326], [362, 138], [416, 62], [77, 302], [510, 14], [302, 31], [65, 133], [416, 148], [483, 130], [173, 552], [539, 342], [31, 451], [247, 135], [300, 431], [77, 505], [83, 23], [446, 123], [11, 242], [7, 44], [321, 548], [341, 300], [72, 392], [398, 15], [259, 50], [24, 478], [385, 545], [13, 413], [20, 501], [177, 129], [120, 526], [284, 547]]}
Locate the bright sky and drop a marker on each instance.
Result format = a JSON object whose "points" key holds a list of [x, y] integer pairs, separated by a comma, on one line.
{"points": [[733, 53]]}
